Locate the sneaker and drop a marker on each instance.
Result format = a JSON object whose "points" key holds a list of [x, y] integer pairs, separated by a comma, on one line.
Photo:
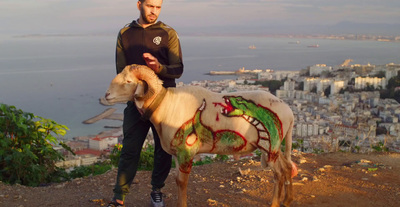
{"points": [[114, 203], [157, 198]]}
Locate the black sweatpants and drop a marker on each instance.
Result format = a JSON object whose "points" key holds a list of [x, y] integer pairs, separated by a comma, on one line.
{"points": [[135, 131]]}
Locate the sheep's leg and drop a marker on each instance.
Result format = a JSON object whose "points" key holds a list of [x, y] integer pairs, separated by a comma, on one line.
{"points": [[289, 168], [182, 182], [288, 192], [278, 183], [287, 174], [277, 188]]}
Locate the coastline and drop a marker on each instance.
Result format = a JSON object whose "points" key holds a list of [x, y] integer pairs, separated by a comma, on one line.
{"points": [[78, 102], [359, 37], [109, 113]]}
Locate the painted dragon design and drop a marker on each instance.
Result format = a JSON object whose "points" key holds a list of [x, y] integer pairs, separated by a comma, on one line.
{"points": [[191, 134], [267, 123]]}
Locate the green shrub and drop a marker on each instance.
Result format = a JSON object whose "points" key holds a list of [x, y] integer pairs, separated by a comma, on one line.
{"points": [[146, 161], [380, 147], [222, 157], [95, 169], [27, 155], [115, 154], [318, 151], [204, 161], [147, 158]]}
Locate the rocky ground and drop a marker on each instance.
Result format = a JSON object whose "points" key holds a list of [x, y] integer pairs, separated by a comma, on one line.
{"points": [[333, 179]]}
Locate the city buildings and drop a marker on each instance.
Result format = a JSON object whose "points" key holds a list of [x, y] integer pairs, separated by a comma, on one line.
{"points": [[332, 110]]}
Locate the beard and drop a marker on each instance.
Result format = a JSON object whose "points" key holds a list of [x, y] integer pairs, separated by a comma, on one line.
{"points": [[147, 19]]}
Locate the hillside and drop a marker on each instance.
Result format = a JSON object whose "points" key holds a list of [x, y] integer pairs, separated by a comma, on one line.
{"points": [[332, 179]]}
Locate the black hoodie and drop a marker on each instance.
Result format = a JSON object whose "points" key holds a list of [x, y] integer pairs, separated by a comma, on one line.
{"points": [[160, 40]]}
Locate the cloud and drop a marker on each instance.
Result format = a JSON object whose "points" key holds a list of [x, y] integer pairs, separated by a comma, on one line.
{"points": [[90, 15], [231, 12]]}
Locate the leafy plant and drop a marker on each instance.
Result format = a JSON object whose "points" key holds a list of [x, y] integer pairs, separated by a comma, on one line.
{"points": [[258, 152], [115, 154], [380, 147], [146, 161], [222, 157], [27, 155], [95, 169], [318, 151], [298, 144], [147, 158], [206, 160], [357, 148]]}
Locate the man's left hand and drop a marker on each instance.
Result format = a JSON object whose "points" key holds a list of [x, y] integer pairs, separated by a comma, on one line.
{"points": [[152, 62]]}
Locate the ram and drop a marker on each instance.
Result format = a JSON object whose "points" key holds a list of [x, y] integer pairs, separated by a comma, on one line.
{"points": [[191, 120]]}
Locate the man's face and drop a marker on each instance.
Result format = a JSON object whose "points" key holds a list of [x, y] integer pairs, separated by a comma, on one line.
{"points": [[149, 10]]}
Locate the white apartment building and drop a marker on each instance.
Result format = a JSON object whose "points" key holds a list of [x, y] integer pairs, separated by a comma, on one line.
{"points": [[279, 75], [319, 68], [336, 86], [289, 85], [307, 129], [392, 70], [323, 84], [310, 83], [102, 143], [361, 83], [288, 90]]}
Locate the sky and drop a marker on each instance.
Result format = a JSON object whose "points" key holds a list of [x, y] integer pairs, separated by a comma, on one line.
{"points": [[19, 17]]}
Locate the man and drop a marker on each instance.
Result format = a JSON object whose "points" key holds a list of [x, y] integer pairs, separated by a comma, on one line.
{"points": [[145, 41]]}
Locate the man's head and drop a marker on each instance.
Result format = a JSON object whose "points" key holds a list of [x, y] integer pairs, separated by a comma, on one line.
{"points": [[149, 11]]}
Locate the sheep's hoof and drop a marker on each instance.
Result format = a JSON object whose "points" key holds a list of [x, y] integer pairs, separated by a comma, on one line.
{"points": [[287, 203]]}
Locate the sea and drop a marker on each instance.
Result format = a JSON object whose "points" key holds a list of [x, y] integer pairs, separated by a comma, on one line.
{"points": [[62, 77]]}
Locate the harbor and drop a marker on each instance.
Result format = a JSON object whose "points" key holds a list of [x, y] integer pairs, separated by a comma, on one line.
{"points": [[106, 114], [241, 71]]}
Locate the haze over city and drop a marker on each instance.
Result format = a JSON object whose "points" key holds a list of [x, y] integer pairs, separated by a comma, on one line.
{"points": [[21, 17]]}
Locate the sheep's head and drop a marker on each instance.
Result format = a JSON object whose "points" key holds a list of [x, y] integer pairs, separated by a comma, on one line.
{"points": [[134, 83], [122, 87]]}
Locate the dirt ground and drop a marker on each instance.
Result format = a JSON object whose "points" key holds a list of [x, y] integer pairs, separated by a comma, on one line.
{"points": [[332, 179]]}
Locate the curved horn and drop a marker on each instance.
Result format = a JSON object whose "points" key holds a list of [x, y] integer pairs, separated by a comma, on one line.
{"points": [[149, 78]]}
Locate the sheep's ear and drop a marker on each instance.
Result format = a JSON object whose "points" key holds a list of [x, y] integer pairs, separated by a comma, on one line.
{"points": [[140, 91]]}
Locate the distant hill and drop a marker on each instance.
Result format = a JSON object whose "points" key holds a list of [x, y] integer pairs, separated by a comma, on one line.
{"points": [[365, 28], [339, 28]]}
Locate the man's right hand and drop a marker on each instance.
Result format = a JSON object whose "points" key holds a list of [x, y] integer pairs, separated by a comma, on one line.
{"points": [[152, 62]]}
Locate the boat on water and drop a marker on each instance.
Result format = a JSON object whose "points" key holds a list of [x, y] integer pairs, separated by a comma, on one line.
{"points": [[252, 47], [296, 42], [222, 72], [316, 45], [237, 72]]}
